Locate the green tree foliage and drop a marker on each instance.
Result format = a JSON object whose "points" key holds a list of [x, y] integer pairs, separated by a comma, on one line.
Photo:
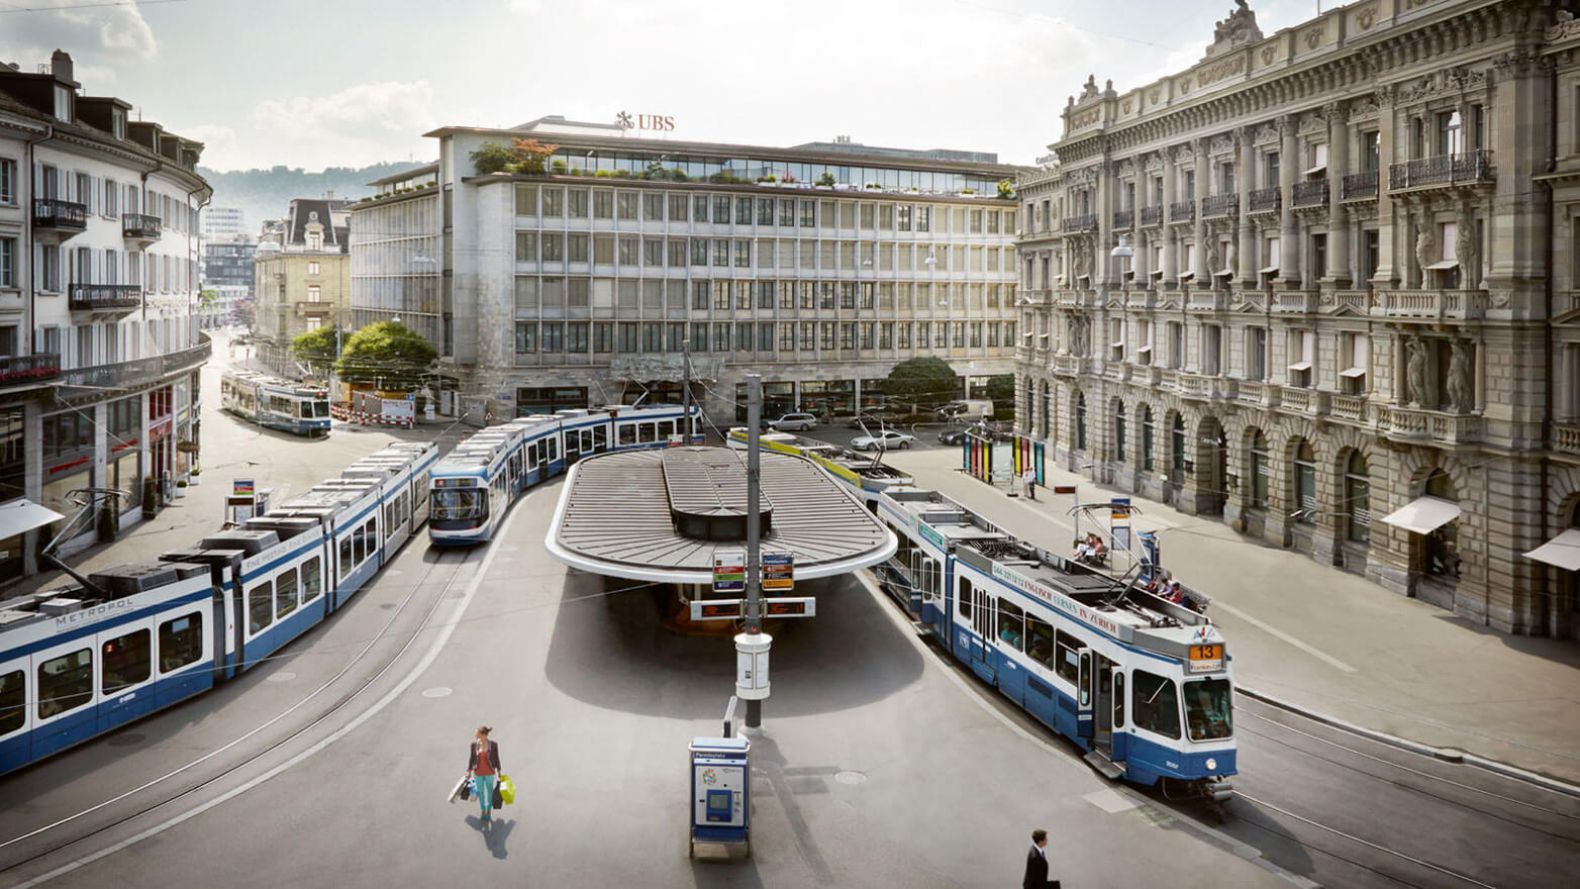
{"points": [[316, 346], [1006, 189], [492, 158], [922, 381], [1001, 391], [388, 354]]}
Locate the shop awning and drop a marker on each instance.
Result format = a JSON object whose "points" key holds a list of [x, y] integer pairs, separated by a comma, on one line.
{"points": [[21, 516], [1423, 515], [1444, 265], [1562, 551]]}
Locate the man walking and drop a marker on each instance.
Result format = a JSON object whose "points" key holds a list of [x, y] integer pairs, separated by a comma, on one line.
{"points": [[1029, 478], [1037, 863]]}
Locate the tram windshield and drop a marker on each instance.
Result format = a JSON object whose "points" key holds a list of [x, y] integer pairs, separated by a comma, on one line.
{"points": [[312, 409], [453, 503], [1207, 709]]}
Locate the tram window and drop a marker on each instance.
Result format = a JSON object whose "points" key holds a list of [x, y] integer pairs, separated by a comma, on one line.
{"points": [[370, 540], [65, 683], [646, 432], [1039, 641], [260, 607], [1208, 711], [666, 429], [180, 642], [1011, 624], [532, 454], [600, 437], [1068, 664], [965, 598], [312, 579], [280, 405], [1156, 707], [628, 434], [345, 555], [1119, 699], [285, 592], [554, 448], [125, 660], [13, 701]]}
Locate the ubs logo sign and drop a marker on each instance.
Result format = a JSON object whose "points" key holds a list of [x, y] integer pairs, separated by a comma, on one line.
{"points": [[662, 123]]}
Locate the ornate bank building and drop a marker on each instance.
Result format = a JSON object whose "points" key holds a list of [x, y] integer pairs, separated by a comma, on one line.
{"points": [[1326, 284]]}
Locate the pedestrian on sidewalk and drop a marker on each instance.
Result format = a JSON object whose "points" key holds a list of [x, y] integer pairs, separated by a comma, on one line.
{"points": [[1036, 876], [1029, 479], [481, 768]]}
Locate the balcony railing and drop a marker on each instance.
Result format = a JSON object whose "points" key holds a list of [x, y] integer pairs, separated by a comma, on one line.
{"points": [[141, 226], [1358, 301], [1257, 393], [314, 308], [1207, 301], [1182, 211], [1467, 168], [1035, 297], [140, 371], [1117, 371], [1141, 299], [19, 370], [1566, 439], [1350, 408], [1201, 387], [1220, 205], [105, 297], [1459, 305], [1151, 215], [1309, 402], [1070, 365], [1085, 223], [1359, 186], [1295, 302], [1412, 424], [1311, 193], [1078, 299], [1124, 218], [53, 213], [1264, 200]]}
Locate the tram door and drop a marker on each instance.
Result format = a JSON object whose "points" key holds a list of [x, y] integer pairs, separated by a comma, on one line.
{"points": [[1102, 738]]}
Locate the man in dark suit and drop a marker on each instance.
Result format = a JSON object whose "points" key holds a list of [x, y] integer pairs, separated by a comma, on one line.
{"points": [[1036, 862]]}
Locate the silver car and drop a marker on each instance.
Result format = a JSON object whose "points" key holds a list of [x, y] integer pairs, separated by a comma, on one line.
{"points": [[794, 423], [883, 441]]}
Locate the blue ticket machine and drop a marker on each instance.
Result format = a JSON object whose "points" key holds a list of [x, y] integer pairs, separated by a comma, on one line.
{"points": [[720, 787]]}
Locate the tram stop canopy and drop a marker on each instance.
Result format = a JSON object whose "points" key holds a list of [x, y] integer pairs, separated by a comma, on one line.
{"points": [[662, 515]]}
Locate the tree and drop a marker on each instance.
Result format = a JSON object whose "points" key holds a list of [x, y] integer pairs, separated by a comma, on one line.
{"points": [[922, 381], [388, 354], [533, 156], [317, 347], [1006, 189], [493, 158], [1001, 391]]}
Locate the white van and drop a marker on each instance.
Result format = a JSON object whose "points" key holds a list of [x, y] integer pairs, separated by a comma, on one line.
{"points": [[967, 411]]}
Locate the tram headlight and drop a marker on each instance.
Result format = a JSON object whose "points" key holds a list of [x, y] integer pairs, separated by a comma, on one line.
{"points": [[1212, 764]]}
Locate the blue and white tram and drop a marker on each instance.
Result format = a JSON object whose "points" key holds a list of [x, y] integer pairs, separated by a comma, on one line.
{"points": [[475, 484], [277, 404], [82, 660], [1143, 685]]}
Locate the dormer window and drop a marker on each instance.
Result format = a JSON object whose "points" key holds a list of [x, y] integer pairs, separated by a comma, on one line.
{"points": [[118, 123], [62, 103]]}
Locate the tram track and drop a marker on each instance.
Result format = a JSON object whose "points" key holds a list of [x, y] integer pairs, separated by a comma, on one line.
{"points": [[441, 561]]}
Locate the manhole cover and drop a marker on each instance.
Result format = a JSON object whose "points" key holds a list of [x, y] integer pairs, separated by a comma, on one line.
{"points": [[436, 692], [282, 676], [850, 777]]}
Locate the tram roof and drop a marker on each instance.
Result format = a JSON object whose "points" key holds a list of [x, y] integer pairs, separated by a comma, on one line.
{"points": [[616, 516]]}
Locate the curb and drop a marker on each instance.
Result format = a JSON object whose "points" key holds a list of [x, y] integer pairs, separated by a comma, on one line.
{"points": [[1446, 754]]}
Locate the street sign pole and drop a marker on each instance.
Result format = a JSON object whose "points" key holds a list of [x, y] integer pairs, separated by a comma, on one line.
{"points": [[753, 645]]}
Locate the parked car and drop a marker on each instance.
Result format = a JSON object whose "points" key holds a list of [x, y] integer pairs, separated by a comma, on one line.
{"points": [[969, 409], [872, 420], [793, 423], [884, 441], [956, 434]]}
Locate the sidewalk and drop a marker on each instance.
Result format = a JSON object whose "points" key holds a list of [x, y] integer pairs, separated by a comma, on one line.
{"points": [[1328, 641]]}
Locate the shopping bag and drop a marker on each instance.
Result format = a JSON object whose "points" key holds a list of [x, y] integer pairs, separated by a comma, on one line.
{"points": [[466, 787], [497, 802], [460, 791], [507, 790]]}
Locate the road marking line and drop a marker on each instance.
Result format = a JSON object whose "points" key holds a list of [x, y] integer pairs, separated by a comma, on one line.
{"points": [[446, 629], [1274, 631]]}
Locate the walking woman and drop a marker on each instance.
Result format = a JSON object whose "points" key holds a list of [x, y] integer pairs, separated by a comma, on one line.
{"points": [[483, 769]]}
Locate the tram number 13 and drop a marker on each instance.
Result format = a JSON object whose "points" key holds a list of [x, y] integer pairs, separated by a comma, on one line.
{"points": [[1206, 658]]}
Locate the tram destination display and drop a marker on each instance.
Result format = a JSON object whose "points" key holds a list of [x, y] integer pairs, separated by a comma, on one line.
{"points": [[778, 572], [1206, 658]]}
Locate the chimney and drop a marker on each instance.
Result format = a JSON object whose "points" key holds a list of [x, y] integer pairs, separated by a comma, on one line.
{"points": [[60, 65]]}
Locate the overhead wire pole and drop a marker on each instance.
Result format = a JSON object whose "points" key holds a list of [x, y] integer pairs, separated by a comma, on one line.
{"points": [[752, 646], [685, 389]]}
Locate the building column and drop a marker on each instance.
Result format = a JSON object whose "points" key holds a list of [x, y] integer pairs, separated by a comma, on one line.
{"points": [[1170, 242], [1289, 229], [1387, 234], [1203, 275], [1246, 267], [1338, 270], [1102, 263]]}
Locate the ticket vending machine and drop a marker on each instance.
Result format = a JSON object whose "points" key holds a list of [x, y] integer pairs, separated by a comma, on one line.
{"points": [[720, 792]]}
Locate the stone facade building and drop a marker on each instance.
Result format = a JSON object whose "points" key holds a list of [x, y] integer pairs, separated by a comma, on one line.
{"points": [[1321, 284], [819, 266], [301, 278]]}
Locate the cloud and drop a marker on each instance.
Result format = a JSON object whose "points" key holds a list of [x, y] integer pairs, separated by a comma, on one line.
{"points": [[363, 123], [220, 145], [98, 37]]}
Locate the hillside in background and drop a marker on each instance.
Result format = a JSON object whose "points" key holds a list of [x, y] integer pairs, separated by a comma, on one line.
{"points": [[266, 194]]}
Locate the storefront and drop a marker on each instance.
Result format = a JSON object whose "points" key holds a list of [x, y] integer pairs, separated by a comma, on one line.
{"points": [[778, 400], [828, 398], [549, 399]]}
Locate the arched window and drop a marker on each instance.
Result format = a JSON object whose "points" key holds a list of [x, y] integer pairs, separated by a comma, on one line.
{"points": [[1146, 438], [1258, 470], [1306, 483], [1080, 421], [1119, 430], [1442, 545], [1357, 498], [1177, 449]]}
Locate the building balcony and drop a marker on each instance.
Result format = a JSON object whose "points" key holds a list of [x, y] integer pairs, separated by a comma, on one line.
{"points": [[1078, 299], [1116, 371], [1182, 211], [105, 297], [1467, 168], [1202, 387], [65, 218], [1124, 219], [1151, 216], [1035, 297], [1141, 299], [1437, 305], [1264, 200], [1357, 301], [1295, 302], [1566, 439], [315, 309], [1147, 375], [1165, 378], [1207, 301], [1255, 393], [1305, 402], [1215, 205], [1084, 223], [1436, 427], [142, 371], [1311, 193], [23, 370], [141, 227], [1348, 408], [1071, 365], [1359, 186]]}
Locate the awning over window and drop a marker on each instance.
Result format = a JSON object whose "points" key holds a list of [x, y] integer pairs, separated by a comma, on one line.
{"points": [[1562, 551], [21, 516], [1300, 365], [1270, 270], [1352, 373], [1445, 264], [1423, 515]]}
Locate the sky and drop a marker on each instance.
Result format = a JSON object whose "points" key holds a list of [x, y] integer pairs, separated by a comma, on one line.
{"points": [[316, 83]]}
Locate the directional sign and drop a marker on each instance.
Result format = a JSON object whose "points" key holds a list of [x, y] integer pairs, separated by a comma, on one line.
{"points": [[242, 487], [729, 571], [787, 607], [778, 572], [718, 609]]}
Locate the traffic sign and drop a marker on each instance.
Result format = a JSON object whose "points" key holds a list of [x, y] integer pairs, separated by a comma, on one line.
{"points": [[729, 571], [778, 572]]}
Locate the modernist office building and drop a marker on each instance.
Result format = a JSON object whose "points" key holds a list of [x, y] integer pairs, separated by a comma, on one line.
{"points": [[818, 266], [99, 350], [1347, 323]]}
